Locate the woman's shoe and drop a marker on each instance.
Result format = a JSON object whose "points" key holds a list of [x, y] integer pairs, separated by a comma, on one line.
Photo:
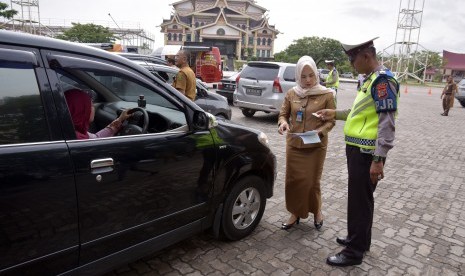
{"points": [[286, 226], [318, 225]]}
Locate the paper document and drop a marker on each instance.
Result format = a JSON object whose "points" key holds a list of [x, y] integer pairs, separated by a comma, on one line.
{"points": [[309, 137]]}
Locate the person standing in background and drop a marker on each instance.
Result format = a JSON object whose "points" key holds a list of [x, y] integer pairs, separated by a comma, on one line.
{"points": [[332, 80], [447, 95], [185, 78]]}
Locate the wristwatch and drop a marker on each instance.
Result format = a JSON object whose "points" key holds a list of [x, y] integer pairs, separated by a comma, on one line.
{"points": [[377, 158]]}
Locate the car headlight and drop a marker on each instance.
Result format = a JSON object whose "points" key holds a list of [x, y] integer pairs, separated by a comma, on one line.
{"points": [[262, 138]]}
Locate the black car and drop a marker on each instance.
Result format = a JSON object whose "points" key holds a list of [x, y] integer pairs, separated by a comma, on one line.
{"points": [[227, 86], [84, 206], [210, 102]]}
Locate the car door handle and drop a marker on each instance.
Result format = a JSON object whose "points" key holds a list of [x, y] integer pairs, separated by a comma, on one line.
{"points": [[104, 165]]}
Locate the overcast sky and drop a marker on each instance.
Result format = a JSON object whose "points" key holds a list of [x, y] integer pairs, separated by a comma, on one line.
{"points": [[349, 21]]}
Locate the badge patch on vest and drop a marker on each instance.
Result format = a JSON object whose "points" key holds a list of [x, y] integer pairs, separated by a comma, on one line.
{"points": [[384, 93], [382, 90]]}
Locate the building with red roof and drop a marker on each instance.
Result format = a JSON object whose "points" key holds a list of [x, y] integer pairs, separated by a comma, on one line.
{"points": [[454, 65]]}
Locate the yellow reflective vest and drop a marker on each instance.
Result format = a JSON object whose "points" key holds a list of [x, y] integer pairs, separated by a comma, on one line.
{"points": [[361, 127], [329, 79]]}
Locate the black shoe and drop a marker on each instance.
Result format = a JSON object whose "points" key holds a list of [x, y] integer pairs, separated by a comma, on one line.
{"points": [[342, 241], [318, 225], [286, 226], [345, 242], [342, 260]]}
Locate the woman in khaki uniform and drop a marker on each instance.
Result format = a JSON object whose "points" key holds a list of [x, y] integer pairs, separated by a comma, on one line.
{"points": [[304, 162]]}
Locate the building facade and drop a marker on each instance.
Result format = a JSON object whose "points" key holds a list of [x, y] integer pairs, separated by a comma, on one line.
{"points": [[239, 28], [454, 65]]}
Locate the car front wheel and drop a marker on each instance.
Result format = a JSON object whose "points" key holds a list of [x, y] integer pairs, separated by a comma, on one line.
{"points": [[243, 208], [462, 102], [248, 112]]}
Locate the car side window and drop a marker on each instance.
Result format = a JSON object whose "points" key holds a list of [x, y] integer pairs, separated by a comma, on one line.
{"points": [[289, 73], [22, 117]]}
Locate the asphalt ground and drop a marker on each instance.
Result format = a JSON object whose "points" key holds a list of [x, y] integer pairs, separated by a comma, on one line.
{"points": [[419, 222]]}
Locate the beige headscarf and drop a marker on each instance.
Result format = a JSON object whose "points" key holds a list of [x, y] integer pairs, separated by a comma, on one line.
{"points": [[317, 89]]}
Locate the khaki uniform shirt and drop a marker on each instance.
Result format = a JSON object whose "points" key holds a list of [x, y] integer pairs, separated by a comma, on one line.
{"points": [[185, 82], [309, 104]]}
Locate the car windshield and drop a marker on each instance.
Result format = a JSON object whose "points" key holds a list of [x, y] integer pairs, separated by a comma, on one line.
{"points": [[260, 72]]}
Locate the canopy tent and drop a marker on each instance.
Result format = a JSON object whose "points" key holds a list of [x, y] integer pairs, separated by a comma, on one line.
{"points": [[167, 50]]}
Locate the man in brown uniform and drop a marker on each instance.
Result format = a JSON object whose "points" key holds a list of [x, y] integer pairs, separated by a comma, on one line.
{"points": [[185, 79], [448, 95]]}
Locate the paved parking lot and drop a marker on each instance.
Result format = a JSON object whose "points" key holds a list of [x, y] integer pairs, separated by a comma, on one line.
{"points": [[419, 223]]}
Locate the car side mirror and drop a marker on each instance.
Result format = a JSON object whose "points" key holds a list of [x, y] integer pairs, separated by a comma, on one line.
{"points": [[204, 120], [202, 93]]}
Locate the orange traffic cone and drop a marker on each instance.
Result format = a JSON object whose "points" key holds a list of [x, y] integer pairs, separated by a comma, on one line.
{"points": [[429, 91], [406, 89]]}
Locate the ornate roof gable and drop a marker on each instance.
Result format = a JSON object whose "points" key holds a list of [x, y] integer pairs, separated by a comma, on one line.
{"points": [[221, 18]]}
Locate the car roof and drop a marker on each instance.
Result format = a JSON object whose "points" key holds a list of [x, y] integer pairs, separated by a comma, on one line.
{"points": [[270, 62], [134, 56], [36, 41]]}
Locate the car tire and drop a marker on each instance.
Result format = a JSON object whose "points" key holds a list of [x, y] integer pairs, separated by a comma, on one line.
{"points": [[243, 208], [462, 103], [248, 112]]}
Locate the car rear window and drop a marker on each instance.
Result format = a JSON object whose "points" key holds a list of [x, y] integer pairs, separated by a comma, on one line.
{"points": [[289, 73], [260, 72]]}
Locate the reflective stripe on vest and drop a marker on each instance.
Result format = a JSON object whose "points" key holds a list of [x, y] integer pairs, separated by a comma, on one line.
{"points": [[329, 79]]}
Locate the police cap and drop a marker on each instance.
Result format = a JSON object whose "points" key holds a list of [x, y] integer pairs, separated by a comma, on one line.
{"points": [[353, 49], [329, 61]]}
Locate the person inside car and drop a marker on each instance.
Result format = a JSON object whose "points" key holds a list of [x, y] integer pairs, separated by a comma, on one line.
{"points": [[82, 112]]}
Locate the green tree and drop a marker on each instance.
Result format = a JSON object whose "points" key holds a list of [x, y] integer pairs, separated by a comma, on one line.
{"points": [[88, 33], [319, 48], [8, 14]]}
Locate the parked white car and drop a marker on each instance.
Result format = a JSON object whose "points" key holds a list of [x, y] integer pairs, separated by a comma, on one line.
{"points": [[460, 95]]}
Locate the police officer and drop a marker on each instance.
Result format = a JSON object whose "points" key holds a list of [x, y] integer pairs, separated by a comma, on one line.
{"points": [[369, 135], [332, 80]]}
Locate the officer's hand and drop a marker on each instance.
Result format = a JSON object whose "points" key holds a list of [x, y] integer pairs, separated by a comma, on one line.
{"points": [[283, 128], [326, 114], [376, 172]]}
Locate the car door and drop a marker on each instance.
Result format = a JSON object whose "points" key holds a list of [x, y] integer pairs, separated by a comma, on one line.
{"points": [[38, 205], [133, 188]]}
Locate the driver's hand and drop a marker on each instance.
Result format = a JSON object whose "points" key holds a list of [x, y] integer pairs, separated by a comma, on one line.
{"points": [[124, 115]]}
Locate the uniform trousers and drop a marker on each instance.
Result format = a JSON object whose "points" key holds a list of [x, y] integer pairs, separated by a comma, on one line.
{"points": [[446, 103], [360, 204]]}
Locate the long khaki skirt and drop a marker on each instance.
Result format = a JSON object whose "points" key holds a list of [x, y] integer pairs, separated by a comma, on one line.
{"points": [[304, 167]]}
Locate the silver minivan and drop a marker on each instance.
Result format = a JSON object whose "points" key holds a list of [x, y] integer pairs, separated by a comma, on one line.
{"points": [[262, 86]]}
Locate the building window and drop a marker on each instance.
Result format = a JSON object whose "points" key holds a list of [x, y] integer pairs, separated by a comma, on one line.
{"points": [[180, 37], [268, 53], [258, 41], [169, 36], [220, 31], [269, 41], [188, 37], [264, 32], [202, 24], [243, 39], [175, 27], [243, 26], [175, 37], [197, 24], [263, 41], [250, 40]]}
